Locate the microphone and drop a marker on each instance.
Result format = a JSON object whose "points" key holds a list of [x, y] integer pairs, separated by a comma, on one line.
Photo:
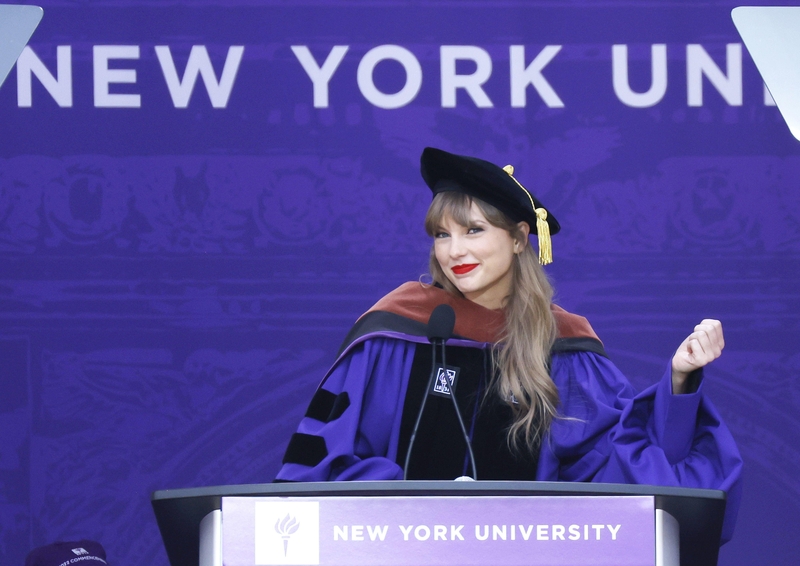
{"points": [[448, 316], [441, 323], [440, 329]]}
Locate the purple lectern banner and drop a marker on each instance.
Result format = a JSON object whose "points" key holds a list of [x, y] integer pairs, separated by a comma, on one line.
{"points": [[458, 531]]}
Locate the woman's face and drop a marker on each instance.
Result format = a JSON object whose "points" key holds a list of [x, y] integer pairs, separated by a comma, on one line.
{"points": [[477, 258]]}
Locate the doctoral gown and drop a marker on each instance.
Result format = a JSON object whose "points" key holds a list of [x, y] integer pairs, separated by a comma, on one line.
{"points": [[359, 422]]}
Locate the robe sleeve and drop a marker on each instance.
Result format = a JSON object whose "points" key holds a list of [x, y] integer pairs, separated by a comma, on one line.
{"points": [[606, 433], [351, 428]]}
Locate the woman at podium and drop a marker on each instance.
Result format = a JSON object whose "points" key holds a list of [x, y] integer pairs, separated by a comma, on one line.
{"points": [[537, 397]]}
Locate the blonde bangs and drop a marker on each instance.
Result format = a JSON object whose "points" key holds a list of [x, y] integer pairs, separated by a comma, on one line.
{"points": [[451, 204]]}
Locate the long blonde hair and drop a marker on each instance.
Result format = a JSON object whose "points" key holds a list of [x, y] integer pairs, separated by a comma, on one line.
{"points": [[521, 377]]}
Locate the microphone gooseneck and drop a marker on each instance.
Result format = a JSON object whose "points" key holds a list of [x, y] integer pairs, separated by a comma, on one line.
{"points": [[458, 414], [440, 329]]}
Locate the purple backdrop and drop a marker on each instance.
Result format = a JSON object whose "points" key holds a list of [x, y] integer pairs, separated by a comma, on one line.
{"points": [[178, 264]]}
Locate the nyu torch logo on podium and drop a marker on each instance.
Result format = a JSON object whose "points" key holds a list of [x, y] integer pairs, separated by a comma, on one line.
{"points": [[287, 532], [286, 527]]}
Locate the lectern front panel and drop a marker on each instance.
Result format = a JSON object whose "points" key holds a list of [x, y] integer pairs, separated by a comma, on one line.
{"points": [[376, 531]]}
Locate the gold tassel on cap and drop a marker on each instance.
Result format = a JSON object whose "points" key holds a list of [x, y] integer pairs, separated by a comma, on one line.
{"points": [[542, 227], [543, 231]]}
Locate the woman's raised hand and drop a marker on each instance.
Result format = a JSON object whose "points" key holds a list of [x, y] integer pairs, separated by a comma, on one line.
{"points": [[700, 348]]}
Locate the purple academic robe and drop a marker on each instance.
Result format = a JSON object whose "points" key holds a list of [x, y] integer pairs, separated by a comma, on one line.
{"points": [[608, 433]]}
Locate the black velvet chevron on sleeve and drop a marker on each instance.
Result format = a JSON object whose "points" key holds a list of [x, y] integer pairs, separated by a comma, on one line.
{"points": [[305, 449], [339, 406], [326, 406]]}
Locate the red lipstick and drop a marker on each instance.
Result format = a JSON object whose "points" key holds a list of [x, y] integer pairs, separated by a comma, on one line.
{"points": [[464, 268]]}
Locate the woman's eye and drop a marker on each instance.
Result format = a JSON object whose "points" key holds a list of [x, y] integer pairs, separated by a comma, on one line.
{"points": [[441, 235], [474, 230]]}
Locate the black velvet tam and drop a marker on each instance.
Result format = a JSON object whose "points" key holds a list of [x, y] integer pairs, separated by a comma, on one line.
{"points": [[443, 171]]}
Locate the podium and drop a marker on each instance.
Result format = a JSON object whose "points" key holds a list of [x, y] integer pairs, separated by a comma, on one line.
{"points": [[440, 522]]}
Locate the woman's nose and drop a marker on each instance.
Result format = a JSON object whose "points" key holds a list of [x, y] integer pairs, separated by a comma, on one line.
{"points": [[457, 247]]}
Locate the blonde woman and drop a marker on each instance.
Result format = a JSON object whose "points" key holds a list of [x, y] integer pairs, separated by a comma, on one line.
{"points": [[540, 400]]}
